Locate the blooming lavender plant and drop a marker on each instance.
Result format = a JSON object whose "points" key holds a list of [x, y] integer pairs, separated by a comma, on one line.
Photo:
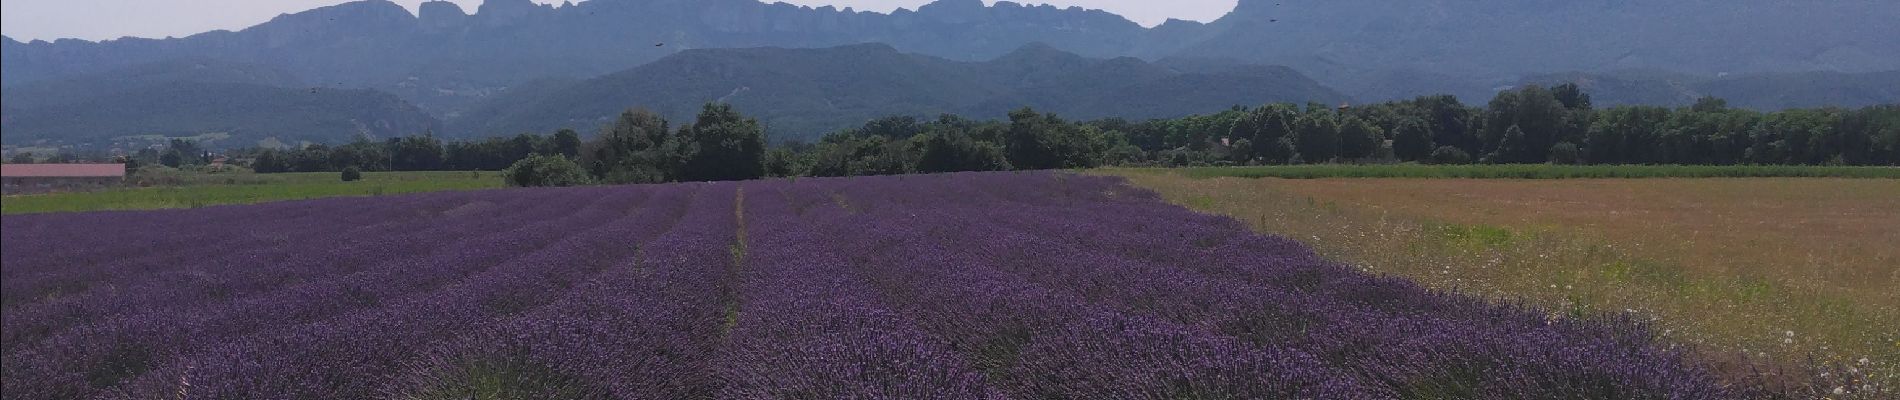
{"points": [[974, 285]]}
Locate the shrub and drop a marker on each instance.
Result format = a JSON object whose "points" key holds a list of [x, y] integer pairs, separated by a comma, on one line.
{"points": [[1450, 155], [1566, 153], [352, 174], [544, 170]]}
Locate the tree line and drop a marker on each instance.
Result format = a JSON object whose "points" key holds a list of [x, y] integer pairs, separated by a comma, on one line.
{"points": [[415, 153], [1529, 125]]}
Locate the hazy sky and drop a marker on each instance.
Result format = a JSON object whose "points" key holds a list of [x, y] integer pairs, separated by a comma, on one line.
{"points": [[110, 19]]}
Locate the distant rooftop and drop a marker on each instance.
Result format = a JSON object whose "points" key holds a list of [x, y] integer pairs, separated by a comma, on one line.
{"points": [[62, 170]]}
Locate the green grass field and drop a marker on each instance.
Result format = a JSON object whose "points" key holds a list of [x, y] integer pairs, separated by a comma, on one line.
{"points": [[1539, 171], [216, 189]]}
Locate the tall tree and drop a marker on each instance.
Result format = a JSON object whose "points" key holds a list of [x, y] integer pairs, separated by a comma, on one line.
{"points": [[634, 149], [1536, 112], [1412, 140], [1571, 96], [566, 143], [416, 153], [725, 146], [1359, 139], [1318, 135], [1044, 141], [952, 151]]}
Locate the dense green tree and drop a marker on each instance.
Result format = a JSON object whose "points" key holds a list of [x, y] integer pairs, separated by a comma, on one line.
{"points": [[850, 153], [1043, 141], [637, 148], [783, 162], [1537, 113], [1449, 155], [352, 174], [1241, 152], [1279, 151], [1412, 140], [724, 146], [1319, 139], [415, 153], [1265, 124], [954, 151], [1709, 104], [1566, 153], [1624, 135], [362, 154], [566, 143], [1449, 120], [270, 161], [1514, 148], [312, 158], [1571, 96], [544, 170], [1358, 138]]}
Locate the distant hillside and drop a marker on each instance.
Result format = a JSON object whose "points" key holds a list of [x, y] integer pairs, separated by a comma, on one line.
{"points": [[802, 93], [84, 87], [193, 98], [446, 59], [1765, 92], [1808, 89], [1484, 43]]}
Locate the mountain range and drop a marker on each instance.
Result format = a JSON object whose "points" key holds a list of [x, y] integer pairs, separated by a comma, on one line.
{"points": [[243, 104], [457, 66], [800, 93]]}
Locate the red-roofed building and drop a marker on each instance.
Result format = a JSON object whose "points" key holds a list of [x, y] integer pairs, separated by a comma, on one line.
{"points": [[32, 178]]}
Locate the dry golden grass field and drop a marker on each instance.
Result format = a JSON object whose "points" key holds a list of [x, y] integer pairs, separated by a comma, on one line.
{"points": [[1753, 272]]}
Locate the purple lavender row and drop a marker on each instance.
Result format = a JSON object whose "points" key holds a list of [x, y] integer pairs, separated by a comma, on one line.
{"points": [[641, 330], [1041, 343], [1345, 314], [347, 356], [123, 225], [1339, 314], [182, 228], [806, 326], [103, 353], [243, 274], [119, 254]]}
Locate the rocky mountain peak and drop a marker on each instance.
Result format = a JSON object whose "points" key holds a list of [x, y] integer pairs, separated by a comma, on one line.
{"points": [[438, 14]]}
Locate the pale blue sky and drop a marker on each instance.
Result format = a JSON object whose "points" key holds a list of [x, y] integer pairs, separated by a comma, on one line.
{"points": [[109, 19]]}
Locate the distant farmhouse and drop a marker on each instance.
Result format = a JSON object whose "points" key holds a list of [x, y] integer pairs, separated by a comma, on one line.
{"points": [[36, 178]]}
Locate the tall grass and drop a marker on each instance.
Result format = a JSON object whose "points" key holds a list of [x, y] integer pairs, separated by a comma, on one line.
{"points": [[1542, 171]]}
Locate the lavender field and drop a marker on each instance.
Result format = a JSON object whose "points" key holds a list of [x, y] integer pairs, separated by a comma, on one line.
{"points": [[962, 286]]}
